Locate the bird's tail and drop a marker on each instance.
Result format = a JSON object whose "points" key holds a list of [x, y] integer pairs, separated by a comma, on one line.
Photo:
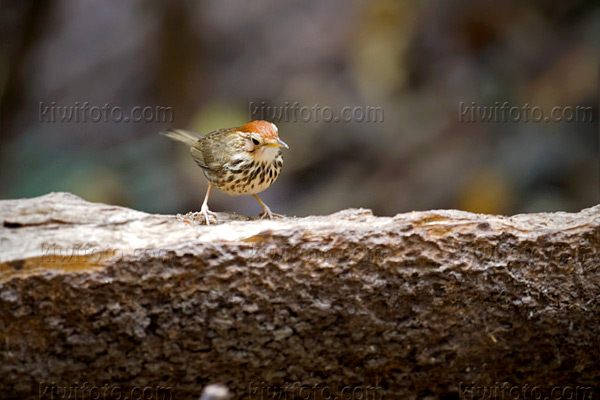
{"points": [[181, 135]]}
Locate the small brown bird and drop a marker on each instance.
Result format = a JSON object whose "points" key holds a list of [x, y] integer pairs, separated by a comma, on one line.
{"points": [[243, 160]]}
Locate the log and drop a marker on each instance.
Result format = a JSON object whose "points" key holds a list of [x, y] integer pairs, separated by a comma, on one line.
{"points": [[101, 300]]}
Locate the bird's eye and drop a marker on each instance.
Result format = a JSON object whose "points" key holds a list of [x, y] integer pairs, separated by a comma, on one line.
{"points": [[255, 141]]}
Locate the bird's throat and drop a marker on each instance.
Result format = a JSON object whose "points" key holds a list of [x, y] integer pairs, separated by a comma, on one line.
{"points": [[267, 154]]}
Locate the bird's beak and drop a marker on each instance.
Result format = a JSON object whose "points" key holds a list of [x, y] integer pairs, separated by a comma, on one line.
{"points": [[279, 143]]}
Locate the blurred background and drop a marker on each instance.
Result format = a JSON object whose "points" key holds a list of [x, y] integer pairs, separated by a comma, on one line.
{"points": [[209, 60]]}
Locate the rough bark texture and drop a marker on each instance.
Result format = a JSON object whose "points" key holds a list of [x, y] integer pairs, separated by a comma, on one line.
{"points": [[423, 304]]}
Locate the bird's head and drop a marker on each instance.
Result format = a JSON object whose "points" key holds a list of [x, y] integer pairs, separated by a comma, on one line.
{"points": [[262, 140]]}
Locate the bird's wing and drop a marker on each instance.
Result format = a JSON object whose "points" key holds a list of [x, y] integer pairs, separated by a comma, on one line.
{"points": [[211, 151]]}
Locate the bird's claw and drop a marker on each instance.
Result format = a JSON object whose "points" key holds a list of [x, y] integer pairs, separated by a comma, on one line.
{"points": [[268, 214], [206, 213]]}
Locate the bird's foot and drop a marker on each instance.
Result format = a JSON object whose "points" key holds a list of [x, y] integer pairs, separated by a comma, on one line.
{"points": [[205, 213], [268, 214]]}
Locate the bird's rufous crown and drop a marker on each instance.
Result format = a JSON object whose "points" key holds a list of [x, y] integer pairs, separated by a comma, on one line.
{"points": [[266, 129]]}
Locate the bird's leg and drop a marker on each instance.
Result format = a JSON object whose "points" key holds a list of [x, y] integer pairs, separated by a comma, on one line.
{"points": [[266, 213], [204, 211]]}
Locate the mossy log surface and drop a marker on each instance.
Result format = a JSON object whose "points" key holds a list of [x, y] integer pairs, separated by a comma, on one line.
{"points": [[419, 305]]}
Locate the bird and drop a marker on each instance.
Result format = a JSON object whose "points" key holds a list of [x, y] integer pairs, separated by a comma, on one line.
{"points": [[243, 160]]}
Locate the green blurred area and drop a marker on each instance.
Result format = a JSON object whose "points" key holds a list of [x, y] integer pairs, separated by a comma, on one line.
{"points": [[210, 60]]}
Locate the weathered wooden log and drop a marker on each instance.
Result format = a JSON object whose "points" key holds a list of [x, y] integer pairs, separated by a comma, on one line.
{"points": [[99, 299]]}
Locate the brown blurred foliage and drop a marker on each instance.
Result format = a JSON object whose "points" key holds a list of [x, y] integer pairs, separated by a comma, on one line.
{"points": [[210, 59]]}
